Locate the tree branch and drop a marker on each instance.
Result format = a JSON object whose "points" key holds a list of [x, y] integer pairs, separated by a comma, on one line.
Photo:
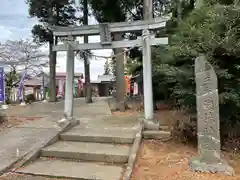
{"points": [[128, 9]]}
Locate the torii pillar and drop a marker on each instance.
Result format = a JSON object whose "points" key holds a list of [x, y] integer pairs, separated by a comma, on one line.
{"points": [[68, 103]]}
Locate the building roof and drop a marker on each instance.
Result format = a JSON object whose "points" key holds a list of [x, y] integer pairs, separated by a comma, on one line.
{"points": [[64, 74], [105, 78], [35, 82], [95, 81]]}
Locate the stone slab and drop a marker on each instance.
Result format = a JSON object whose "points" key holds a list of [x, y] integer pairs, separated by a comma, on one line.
{"points": [[196, 165], [152, 125], [98, 107], [17, 142], [88, 151], [42, 123], [74, 170], [133, 154], [156, 134], [121, 136], [109, 121]]}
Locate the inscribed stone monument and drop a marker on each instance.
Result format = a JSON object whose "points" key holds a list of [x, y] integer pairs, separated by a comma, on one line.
{"points": [[209, 159]]}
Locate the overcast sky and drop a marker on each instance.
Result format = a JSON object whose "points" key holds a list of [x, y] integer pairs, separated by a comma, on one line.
{"points": [[15, 24]]}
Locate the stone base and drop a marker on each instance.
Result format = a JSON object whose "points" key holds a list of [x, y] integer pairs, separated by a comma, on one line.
{"points": [[151, 125], [156, 134], [23, 104], [196, 165], [64, 121], [4, 106]]}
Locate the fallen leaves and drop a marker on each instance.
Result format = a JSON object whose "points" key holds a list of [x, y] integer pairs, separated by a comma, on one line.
{"points": [[169, 161]]}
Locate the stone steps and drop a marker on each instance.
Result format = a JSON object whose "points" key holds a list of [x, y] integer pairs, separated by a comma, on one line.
{"points": [[99, 136], [86, 154], [74, 170], [107, 153]]}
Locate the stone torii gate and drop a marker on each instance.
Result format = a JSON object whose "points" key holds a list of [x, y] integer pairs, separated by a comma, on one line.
{"points": [[106, 30]]}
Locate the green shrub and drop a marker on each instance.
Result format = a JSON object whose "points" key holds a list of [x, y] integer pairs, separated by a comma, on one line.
{"points": [[215, 32]]}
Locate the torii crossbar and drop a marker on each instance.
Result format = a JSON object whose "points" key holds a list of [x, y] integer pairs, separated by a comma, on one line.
{"points": [[106, 30]]}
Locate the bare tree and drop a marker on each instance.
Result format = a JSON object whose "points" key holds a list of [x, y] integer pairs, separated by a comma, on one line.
{"points": [[21, 56]]}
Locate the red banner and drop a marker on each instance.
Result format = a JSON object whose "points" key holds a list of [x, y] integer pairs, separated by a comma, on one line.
{"points": [[127, 84]]}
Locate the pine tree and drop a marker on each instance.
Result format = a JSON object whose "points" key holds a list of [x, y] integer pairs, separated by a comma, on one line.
{"points": [[51, 12], [212, 30], [106, 68]]}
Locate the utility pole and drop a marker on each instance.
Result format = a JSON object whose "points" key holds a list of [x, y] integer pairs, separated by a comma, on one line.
{"points": [[147, 69], [199, 4], [88, 89]]}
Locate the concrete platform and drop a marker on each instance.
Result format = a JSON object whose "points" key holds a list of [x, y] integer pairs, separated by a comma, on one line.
{"points": [[110, 121], [119, 136], [109, 153], [75, 170], [17, 142], [148, 134]]}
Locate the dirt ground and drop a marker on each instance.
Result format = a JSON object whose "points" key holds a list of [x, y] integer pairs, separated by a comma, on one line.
{"points": [[161, 160], [14, 116], [13, 176], [169, 161]]}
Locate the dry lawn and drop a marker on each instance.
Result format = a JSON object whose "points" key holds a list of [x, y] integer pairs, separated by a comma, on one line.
{"points": [[169, 161]]}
